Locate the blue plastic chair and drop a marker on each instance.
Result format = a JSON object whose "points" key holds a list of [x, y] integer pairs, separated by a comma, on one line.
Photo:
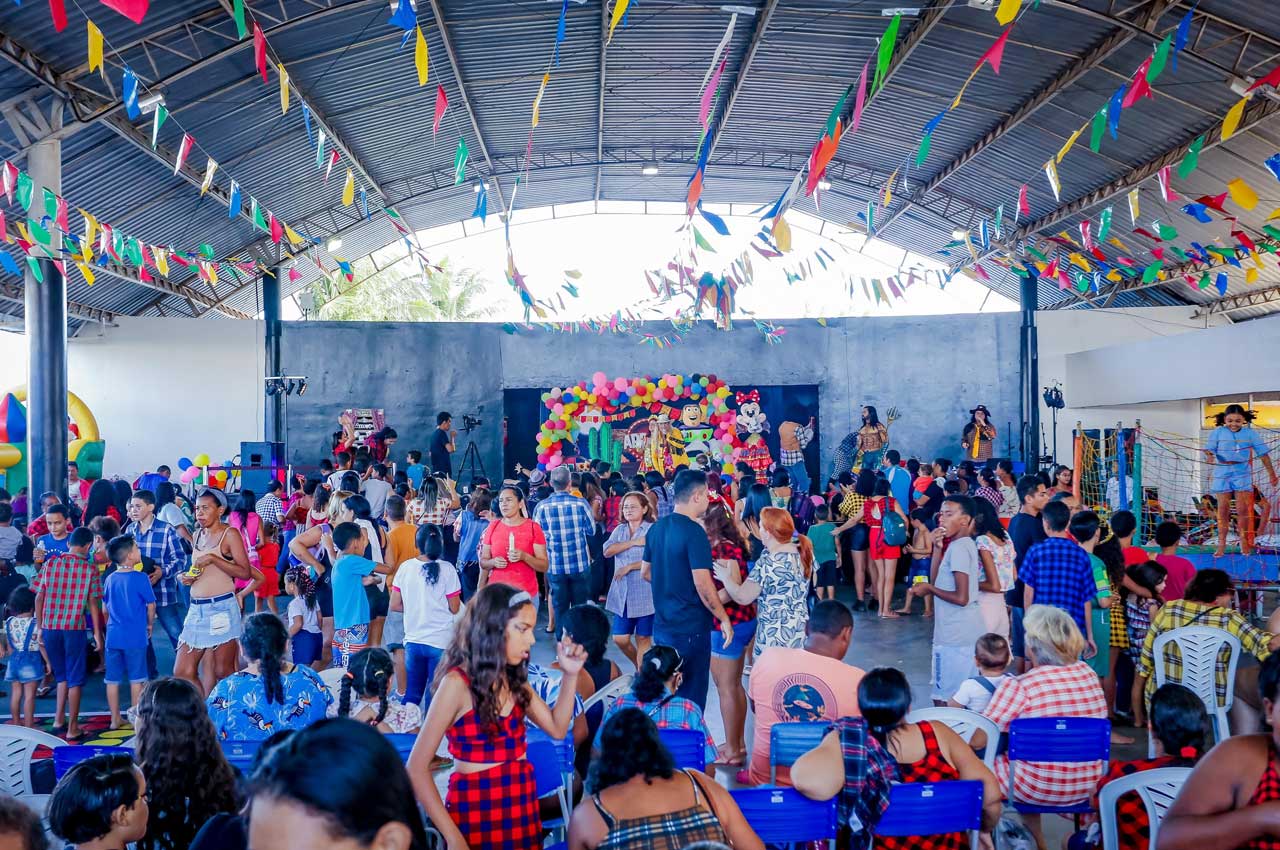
{"points": [[403, 742], [241, 753], [548, 777], [933, 808], [1057, 740], [687, 746], [789, 741], [65, 758], [785, 816]]}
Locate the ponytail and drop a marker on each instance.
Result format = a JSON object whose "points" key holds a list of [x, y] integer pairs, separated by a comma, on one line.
{"points": [[656, 668], [344, 695], [369, 675], [806, 554], [430, 543], [264, 641]]}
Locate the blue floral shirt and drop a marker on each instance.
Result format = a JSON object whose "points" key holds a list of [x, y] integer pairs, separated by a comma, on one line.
{"points": [[240, 712]]}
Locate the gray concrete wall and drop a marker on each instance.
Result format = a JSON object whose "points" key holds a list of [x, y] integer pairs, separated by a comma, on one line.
{"points": [[932, 368]]}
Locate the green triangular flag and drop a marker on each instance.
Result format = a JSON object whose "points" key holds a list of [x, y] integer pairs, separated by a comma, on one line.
{"points": [[117, 242], [259, 221], [36, 271], [1178, 252], [50, 203], [1104, 225], [133, 251], [885, 52], [238, 12], [38, 232], [1159, 58], [1099, 127], [922, 153], [1039, 255], [1000, 220], [835, 112], [701, 242], [206, 251], [1192, 160], [161, 115], [1271, 230], [1204, 281], [1150, 272], [1082, 283], [1167, 233], [25, 190], [460, 162]]}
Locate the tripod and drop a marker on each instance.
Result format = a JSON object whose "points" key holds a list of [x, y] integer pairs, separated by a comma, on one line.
{"points": [[471, 464]]}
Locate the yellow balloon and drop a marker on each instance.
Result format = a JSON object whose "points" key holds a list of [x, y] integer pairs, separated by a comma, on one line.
{"points": [[201, 459]]}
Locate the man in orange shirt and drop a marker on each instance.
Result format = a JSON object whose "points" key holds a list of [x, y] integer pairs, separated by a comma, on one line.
{"points": [[812, 683], [401, 546]]}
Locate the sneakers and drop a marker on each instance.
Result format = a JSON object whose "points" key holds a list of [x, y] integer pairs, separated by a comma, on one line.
{"points": [[859, 605]]}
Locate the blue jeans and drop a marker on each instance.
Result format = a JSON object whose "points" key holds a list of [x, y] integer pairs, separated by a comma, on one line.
{"points": [[567, 591], [695, 650], [170, 619], [799, 477], [420, 662]]}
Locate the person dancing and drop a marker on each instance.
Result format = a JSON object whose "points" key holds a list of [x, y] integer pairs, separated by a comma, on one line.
{"points": [[979, 436], [1231, 449]]}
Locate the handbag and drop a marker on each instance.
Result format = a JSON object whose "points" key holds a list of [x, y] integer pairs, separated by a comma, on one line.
{"points": [[895, 529]]}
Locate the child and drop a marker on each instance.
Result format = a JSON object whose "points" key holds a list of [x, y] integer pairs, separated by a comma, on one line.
{"points": [[10, 537], [269, 558], [415, 469], [825, 553], [922, 480], [1086, 529], [1180, 571], [131, 612], [1232, 448], [101, 804], [921, 550], [56, 541], [991, 654], [1138, 613], [352, 572], [429, 593], [368, 680], [25, 666], [303, 617]]}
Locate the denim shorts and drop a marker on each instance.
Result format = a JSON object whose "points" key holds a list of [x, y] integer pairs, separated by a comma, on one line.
{"points": [[1232, 478], [393, 631], [641, 626], [743, 634], [24, 666], [212, 622], [126, 665]]}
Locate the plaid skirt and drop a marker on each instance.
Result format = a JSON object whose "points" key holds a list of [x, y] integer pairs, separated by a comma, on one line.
{"points": [[496, 809], [1119, 631]]}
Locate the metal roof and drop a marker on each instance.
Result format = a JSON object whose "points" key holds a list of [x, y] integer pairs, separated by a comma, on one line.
{"points": [[608, 110]]}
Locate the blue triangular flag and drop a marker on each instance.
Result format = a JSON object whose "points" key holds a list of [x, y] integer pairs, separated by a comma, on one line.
{"points": [[306, 118], [984, 234], [1198, 212], [1113, 112], [233, 201], [404, 16], [7, 263], [1273, 163], [1222, 283], [1184, 33], [482, 204], [129, 91], [716, 222], [364, 203], [564, 10]]}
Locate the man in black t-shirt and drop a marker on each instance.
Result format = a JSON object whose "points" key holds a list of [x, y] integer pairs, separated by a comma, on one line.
{"points": [[1025, 531], [442, 445], [677, 561]]}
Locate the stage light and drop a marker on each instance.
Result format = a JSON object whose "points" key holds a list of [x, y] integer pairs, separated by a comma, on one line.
{"points": [[333, 244], [302, 387], [149, 101], [960, 234], [650, 169]]}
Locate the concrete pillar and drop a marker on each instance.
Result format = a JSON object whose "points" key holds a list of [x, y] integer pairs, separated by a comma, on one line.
{"points": [[46, 321], [1029, 360], [274, 415]]}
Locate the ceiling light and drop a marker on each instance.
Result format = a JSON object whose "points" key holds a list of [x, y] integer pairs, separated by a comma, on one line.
{"points": [[333, 244], [649, 169], [824, 184], [959, 234], [149, 101]]}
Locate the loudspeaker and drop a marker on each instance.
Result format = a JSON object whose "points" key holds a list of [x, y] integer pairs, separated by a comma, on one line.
{"points": [[265, 460]]}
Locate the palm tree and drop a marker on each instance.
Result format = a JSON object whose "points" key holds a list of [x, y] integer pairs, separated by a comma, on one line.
{"points": [[400, 293]]}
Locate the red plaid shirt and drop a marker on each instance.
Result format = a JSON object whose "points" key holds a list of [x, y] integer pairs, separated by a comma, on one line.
{"points": [[727, 551], [1068, 691], [1131, 814], [68, 582]]}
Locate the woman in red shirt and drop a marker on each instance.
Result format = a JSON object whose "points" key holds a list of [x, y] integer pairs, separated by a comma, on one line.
{"points": [[513, 549], [727, 662]]}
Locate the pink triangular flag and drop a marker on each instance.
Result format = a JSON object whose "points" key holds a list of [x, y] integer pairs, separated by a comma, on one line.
{"points": [[1139, 87], [183, 150], [333, 160], [995, 52], [277, 229], [294, 274], [260, 50], [861, 99], [1023, 207], [442, 103], [707, 93], [1166, 190]]}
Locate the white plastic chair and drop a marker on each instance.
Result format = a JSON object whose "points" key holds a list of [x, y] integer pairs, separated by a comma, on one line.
{"points": [[609, 692], [1199, 647], [17, 745], [964, 723], [1158, 789]]}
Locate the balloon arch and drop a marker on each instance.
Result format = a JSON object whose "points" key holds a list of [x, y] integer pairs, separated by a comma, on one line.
{"points": [[686, 412]]}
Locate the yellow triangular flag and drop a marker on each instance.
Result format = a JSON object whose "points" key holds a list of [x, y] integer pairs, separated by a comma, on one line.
{"points": [[1232, 122], [1113, 276], [782, 234], [292, 236], [284, 88], [537, 101], [95, 49], [1079, 260], [420, 57], [1070, 143], [619, 9], [888, 189], [162, 259], [1250, 275], [349, 190], [1116, 241], [1274, 214], [1242, 193], [22, 231], [90, 227], [1067, 236], [1007, 11], [209, 168], [87, 272]]}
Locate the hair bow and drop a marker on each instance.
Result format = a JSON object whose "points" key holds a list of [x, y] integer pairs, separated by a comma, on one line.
{"points": [[749, 395]]}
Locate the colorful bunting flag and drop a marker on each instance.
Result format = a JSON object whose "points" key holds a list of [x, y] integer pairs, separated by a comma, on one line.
{"points": [[1007, 11], [1273, 165], [1071, 141], [403, 16], [184, 149], [460, 162], [1160, 58], [1231, 123], [861, 99], [1182, 36], [884, 52], [704, 106], [442, 103], [1165, 177], [349, 189], [926, 140], [560, 29], [1242, 194], [234, 202], [1113, 112], [1051, 172], [333, 160], [537, 100], [260, 51], [237, 12], [157, 119], [420, 58], [275, 227], [284, 88], [259, 221], [619, 9], [482, 203], [129, 94], [1098, 129], [1191, 160], [1104, 225], [95, 49], [1138, 86], [1024, 209], [1133, 205]]}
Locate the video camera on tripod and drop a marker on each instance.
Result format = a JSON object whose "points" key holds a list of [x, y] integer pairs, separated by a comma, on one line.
{"points": [[470, 423]]}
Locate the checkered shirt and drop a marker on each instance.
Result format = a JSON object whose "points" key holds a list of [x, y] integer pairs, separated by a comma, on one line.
{"points": [[68, 582], [1060, 572], [1184, 612], [804, 436], [567, 522], [727, 551], [992, 495], [842, 458], [271, 509], [1131, 814], [670, 712], [1072, 690], [162, 544], [869, 771]]}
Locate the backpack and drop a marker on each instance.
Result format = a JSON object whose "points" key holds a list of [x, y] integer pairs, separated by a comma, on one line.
{"points": [[894, 528]]}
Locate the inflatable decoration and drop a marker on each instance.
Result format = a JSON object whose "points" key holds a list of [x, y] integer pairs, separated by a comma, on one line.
{"points": [[653, 444], [84, 445]]}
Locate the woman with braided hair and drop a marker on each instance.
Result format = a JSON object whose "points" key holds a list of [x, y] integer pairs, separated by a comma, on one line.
{"points": [[270, 693], [365, 694]]}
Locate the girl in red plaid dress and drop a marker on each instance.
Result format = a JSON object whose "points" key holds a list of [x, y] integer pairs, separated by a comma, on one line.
{"points": [[481, 700]]}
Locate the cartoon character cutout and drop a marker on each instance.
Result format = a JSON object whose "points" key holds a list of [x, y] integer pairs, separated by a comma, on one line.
{"points": [[752, 424], [697, 434], [665, 449]]}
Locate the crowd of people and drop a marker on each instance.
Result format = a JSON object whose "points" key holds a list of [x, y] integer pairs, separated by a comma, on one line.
{"points": [[426, 598]]}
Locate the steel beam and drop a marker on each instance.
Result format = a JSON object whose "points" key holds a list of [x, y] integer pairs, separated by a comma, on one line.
{"points": [[82, 312], [466, 100], [1256, 298], [930, 18], [740, 79]]}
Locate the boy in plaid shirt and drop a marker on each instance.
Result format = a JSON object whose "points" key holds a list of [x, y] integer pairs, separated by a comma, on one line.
{"points": [[65, 585]]}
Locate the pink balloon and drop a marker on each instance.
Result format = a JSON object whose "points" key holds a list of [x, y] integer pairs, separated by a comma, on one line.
{"points": [[620, 383], [192, 473]]}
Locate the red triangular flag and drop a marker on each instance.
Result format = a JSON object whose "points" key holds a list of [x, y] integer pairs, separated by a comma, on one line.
{"points": [[1139, 87], [276, 228], [1023, 207], [442, 103], [58, 9], [1142, 231], [995, 52], [260, 50], [294, 274], [1272, 79], [134, 10], [1243, 239], [1214, 202], [1158, 253]]}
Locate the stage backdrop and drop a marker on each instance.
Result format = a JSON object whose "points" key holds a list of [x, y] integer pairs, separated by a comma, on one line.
{"points": [[932, 368]]}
